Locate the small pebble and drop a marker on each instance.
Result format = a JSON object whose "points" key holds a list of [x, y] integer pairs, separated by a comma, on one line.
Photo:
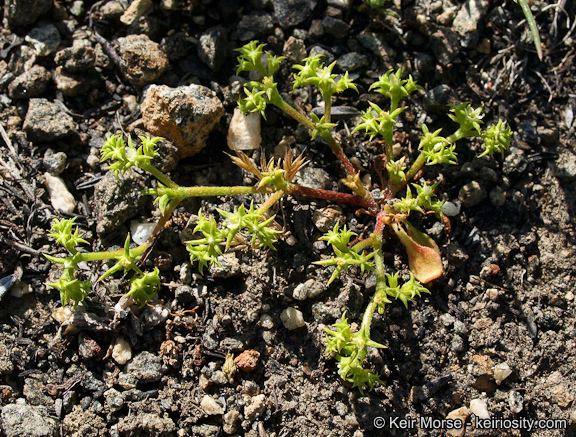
{"points": [[210, 406], [461, 413], [501, 372], [20, 288], [141, 231], [255, 408], [266, 321], [479, 408], [62, 314], [451, 209], [309, 289], [60, 197], [326, 218], [114, 399], [219, 378], [204, 382], [121, 351], [137, 9], [458, 344], [229, 422], [55, 163], [154, 316], [515, 400], [497, 196], [247, 360], [292, 318], [472, 194]]}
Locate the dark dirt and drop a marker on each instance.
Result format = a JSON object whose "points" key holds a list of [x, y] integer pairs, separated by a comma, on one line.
{"points": [[506, 299]]}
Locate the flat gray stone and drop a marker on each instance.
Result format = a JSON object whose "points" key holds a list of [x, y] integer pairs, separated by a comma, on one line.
{"points": [[20, 420], [47, 121]]}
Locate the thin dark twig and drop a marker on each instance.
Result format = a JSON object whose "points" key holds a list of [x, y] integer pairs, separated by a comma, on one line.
{"points": [[22, 247], [89, 183]]}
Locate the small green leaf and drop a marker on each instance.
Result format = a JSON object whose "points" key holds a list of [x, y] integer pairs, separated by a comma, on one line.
{"points": [[250, 57], [61, 231], [436, 149], [393, 86]]}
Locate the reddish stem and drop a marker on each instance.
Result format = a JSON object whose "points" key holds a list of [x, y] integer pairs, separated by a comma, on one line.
{"points": [[327, 194], [380, 224]]}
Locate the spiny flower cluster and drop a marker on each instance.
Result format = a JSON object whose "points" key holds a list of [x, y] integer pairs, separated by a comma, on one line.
{"points": [[128, 156], [345, 256], [207, 249]]}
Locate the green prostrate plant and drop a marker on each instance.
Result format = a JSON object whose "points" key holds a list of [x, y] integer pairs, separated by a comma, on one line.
{"points": [[393, 211], [143, 285], [253, 225]]}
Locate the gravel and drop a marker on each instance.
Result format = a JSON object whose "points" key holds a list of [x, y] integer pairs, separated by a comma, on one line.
{"points": [[72, 73]]}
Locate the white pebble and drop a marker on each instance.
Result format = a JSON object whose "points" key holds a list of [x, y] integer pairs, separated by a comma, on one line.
{"points": [[60, 197], [451, 209], [244, 131], [501, 372], [137, 8], [210, 406], [229, 422], [20, 288], [479, 408], [266, 321], [141, 231], [300, 292], [462, 414], [121, 351], [292, 318]]}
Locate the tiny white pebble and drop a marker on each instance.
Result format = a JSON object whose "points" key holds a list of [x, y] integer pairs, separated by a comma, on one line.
{"points": [[210, 406], [20, 288], [501, 372], [300, 292], [141, 231], [292, 318], [266, 321], [121, 351], [60, 197], [451, 209], [62, 314], [479, 408]]}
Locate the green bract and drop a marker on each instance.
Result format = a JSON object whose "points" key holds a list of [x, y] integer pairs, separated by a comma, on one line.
{"points": [[254, 226]]}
